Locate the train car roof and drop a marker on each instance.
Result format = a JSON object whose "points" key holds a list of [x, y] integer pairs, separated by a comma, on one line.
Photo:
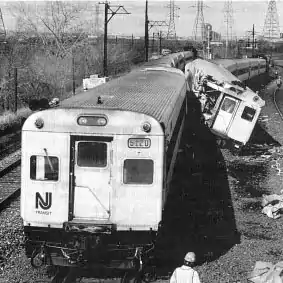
{"points": [[217, 72], [169, 60], [231, 62], [151, 92]]}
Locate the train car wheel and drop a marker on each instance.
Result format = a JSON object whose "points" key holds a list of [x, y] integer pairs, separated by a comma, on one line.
{"points": [[131, 277]]}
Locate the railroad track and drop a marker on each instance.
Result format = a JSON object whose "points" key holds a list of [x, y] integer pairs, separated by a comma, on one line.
{"points": [[10, 178]]}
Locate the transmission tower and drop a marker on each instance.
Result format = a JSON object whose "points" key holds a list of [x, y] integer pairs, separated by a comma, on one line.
{"points": [[228, 20], [271, 24], [198, 31], [172, 15], [96, 27], [2, 28]]}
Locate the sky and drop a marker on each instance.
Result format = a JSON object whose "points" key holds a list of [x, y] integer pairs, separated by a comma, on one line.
{"points": [[245, 14]]}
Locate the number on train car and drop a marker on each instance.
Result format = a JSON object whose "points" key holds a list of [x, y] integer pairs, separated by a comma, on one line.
{"points": [[139, 143]]}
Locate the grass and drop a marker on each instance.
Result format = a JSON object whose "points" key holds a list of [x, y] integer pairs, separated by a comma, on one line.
{"points": [[9, 119]]}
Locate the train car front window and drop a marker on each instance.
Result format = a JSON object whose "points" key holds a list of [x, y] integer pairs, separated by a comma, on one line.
{"points": [[43, 168], [248, 114], [138, 171], [92, 154], [228, 105]]}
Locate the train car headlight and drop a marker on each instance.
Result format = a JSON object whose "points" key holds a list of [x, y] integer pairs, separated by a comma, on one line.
{"points": [[39, 123], [92, 121], [146, 127]]}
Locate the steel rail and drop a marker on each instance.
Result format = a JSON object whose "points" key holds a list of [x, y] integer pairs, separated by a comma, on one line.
{"points": [[15, 192]]}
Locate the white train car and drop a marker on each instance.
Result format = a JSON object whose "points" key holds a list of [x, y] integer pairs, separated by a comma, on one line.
{"points": [[96, 171], [244, 69], [229, 108]]}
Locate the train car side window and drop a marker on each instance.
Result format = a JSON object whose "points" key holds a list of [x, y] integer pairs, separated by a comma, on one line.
{"points": [[228, 105], [248, 114], [44, 168], [138, 171], [92, 154]]}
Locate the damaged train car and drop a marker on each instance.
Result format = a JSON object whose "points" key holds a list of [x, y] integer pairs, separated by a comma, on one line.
{"points": [[229, 108]]}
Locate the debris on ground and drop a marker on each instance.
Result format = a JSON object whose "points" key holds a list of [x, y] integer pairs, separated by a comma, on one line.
{"points": [[266, 272], [272, 205]]}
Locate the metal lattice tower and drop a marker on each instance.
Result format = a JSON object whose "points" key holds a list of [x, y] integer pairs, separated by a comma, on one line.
{"points": [[96, 23], [228, 20], [271, 25], [198, 30], [172, 15], [2, 28]]}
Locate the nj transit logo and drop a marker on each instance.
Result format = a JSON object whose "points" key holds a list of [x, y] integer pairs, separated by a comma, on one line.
{"points": [[43, 203]]}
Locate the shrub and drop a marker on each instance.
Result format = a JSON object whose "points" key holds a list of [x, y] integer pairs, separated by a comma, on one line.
{"points": [[10, 119]]}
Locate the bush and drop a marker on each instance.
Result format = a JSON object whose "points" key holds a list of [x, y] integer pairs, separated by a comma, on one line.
{"points": [[10, 120]]}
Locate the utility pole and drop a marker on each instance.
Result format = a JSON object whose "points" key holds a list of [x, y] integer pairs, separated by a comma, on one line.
{"points": [[152, 46], [16, 89], [208, 41], [148, 26], [253, 39], [146, 31], [108, 10], [160, 42], [252, 33], [73, 72]]}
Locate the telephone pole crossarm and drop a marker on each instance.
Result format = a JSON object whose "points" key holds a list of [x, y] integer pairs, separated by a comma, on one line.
{"points": [[108, 10]]}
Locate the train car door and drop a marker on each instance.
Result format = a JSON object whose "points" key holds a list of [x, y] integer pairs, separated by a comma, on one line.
{"points": [[225, 115], [92, 178]]}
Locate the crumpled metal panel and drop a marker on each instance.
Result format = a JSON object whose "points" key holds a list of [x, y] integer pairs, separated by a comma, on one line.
{"points": [[148, 92]]}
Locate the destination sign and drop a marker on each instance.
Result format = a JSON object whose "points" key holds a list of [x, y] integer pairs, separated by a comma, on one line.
{"points": [[139, 143]]}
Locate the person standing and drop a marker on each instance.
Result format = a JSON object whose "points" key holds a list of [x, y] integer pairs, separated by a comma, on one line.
{"points": [[185, 273], [279, 82]]}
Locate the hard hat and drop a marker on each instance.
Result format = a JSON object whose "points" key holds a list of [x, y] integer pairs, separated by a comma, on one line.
{"points": [[190, 257]]}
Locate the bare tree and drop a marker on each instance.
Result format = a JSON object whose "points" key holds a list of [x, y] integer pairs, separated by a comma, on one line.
{"points": [[58, 24]]}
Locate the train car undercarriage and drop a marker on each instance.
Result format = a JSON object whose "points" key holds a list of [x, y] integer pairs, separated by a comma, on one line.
{"points": [[79, 248]]}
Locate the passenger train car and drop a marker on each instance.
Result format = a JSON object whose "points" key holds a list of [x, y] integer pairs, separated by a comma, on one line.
{"points": [[96, 170], [244, 69], [229, 108], [175, 60]]}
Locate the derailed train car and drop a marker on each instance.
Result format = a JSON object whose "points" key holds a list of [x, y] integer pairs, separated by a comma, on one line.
{"points": [[96, 171], [229, 108]]}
